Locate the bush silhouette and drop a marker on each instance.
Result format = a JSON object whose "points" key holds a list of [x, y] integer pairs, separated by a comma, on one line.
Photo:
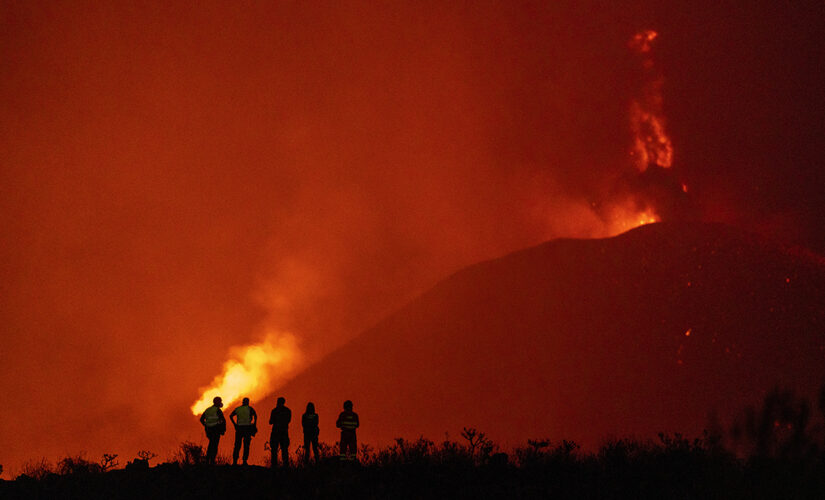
{"points": [[37, 469], [189, 454], [481, 448], [540, 453], [325, 452], [777, 453], [77, 464]]}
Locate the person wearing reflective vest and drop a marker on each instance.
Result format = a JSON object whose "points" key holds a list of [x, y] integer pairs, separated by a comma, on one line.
{"points": [[245, 420], [215, 426], [348, 422]]}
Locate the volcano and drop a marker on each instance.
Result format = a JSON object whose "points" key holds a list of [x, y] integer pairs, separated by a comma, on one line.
{"points": [[655, 330]]}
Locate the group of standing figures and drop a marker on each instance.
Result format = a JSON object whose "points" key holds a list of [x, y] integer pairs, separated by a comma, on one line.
{"points": [[245, 421]]}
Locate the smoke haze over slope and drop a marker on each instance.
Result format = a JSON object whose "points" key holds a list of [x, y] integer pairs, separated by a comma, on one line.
{"points": [[176, 181], [660, 329]]}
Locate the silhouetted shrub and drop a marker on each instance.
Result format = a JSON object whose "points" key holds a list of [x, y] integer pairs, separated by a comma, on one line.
{"points": [[77, 465], [539, 453], [108, 461], [146, 455], [325, 452], [481, 448], [403, 452], [37, 469], [189, 454], [781, 463], [141, 462], [619, 451], [137, 464]]}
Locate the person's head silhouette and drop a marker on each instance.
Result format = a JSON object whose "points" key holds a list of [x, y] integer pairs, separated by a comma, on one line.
{"points": [[310, 407], [245, 402], [348, 405], [217, 401], [281, 402]]}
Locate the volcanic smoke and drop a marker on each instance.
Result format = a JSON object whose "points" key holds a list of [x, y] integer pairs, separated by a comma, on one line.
{"points": [[652, 146], [253, 370], [641, 197], [257, 369]]}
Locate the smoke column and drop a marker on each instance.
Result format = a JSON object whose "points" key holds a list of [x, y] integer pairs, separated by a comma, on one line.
{"points": [[256, 369]]}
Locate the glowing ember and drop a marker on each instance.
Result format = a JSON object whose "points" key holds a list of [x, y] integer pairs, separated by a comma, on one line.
{"points": [[642, 41], [253, 371]]}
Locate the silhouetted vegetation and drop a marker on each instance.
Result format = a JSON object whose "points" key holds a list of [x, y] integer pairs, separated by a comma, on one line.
{"points": [[37, 469], [189, 454], [776, 450]]}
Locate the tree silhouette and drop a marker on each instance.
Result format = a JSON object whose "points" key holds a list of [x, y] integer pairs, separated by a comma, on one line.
{"points": [[478, 442], [108, 461]]}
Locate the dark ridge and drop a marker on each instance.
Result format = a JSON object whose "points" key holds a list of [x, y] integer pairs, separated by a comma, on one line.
{"points": [[658, 329]]}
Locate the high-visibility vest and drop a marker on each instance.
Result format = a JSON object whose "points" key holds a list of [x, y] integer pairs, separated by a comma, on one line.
{"points": [[244, 414], [211, 416], [348, 422]]}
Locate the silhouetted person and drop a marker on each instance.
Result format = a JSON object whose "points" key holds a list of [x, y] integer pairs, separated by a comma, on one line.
{"points": [[215, 426], [245, 420], [309, 421], [348, 422], [279, 419]]}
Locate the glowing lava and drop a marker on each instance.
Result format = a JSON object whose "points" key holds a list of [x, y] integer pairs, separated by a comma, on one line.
{"points": [[623, 219], [253, 371], [651, 146]]}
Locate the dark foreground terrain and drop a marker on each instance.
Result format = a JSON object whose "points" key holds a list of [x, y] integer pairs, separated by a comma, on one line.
{"points": [[673, 467]]}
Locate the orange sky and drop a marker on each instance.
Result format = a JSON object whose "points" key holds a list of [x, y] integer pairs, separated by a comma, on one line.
{"points": [[174, 181]]}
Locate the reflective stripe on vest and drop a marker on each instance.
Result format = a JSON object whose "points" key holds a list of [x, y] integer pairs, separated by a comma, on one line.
{"points": [[210, 417], [244, 414], [349, 423]]}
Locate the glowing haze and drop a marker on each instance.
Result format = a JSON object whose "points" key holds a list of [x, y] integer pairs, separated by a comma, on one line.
{"points": [[253, 371], [179, 185], [651, 145], [256, 370]]}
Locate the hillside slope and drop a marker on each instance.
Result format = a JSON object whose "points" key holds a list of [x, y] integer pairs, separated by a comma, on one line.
{"points": [[649, 331]]}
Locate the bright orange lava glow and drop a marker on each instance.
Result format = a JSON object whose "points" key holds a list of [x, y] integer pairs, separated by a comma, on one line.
{"points": [[252, 371], [651, 146], [622, 220]]}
